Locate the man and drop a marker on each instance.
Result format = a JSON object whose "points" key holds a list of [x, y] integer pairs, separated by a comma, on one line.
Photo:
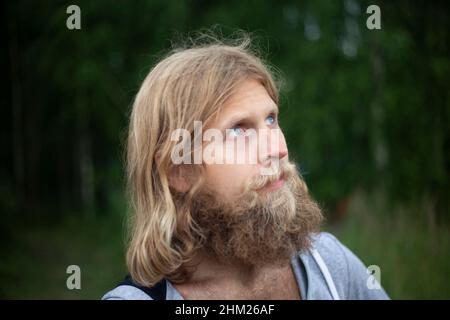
{"points": [[221, 212]]}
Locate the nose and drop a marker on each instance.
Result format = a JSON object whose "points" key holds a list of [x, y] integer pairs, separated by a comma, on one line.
{"points": [[272, 146]]}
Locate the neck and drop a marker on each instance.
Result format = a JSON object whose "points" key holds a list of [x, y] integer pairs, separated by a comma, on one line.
{"points": [[207, 269]]}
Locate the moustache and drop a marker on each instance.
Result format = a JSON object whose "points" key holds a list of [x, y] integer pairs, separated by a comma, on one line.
{"points": [[284, 170]]}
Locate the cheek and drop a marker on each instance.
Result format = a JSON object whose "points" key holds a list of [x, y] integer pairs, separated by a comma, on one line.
{"points": [[228, 179]]}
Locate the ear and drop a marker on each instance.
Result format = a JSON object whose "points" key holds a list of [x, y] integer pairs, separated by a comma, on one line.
{"points": [[177, 176], [178, 179]]}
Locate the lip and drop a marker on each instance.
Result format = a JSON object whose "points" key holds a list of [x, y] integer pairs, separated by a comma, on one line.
{"points": [[275, 185]]}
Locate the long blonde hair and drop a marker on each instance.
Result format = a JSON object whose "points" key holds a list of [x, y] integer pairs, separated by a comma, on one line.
{"points": [[189, 84]]}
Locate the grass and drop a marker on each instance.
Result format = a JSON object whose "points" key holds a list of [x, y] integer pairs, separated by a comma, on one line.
{"points": [[414, 258], [413, 255], [34, 266]]}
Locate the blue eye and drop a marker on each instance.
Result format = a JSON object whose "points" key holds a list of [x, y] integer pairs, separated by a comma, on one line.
{"points": [[270, 120], [237, 131]]}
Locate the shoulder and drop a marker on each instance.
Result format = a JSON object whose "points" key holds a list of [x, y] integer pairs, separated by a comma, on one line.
{"points": [[349, 273], [126, 292]]}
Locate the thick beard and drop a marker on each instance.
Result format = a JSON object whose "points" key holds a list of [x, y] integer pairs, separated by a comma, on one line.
{"points": [[259, 228]]}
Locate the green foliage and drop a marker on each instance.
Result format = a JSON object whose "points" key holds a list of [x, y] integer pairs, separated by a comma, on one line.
{"points": [[414, 256]]}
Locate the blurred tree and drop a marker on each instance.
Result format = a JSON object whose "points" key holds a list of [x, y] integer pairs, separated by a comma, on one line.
{"points": [[361, 108]]}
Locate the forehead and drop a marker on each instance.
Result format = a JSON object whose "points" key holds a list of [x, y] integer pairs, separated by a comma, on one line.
{"points": [[250, 98]]}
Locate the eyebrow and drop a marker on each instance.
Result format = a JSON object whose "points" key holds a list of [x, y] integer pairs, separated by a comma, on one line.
{"points": [[243, 116]]}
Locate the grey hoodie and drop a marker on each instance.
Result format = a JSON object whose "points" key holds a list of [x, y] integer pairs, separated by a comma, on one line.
{"points": [[329, 270]]}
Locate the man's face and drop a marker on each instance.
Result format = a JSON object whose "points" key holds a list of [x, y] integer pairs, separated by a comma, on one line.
{"points": [[246, 214], [249, 114]]}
